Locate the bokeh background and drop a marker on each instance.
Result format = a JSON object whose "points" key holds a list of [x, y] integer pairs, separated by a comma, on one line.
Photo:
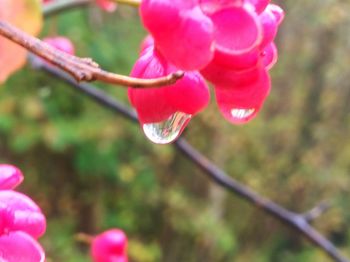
{"points": [[90, 170]]}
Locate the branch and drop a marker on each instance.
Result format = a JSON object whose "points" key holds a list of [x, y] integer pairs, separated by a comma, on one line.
{"points": [[55, 7], [62, 5], [298, 222], [317, 211], [82, 69], [135, 3]]}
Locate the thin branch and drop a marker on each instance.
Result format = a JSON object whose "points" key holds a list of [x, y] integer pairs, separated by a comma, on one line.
{"points": [[299, 222], [82, 69], [84, 238], [58, 6], [55, 7], [317, 211], [134, 3]]}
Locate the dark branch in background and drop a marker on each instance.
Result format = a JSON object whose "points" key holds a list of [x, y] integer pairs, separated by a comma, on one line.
{"points": [[299, 222], [82, 69]]}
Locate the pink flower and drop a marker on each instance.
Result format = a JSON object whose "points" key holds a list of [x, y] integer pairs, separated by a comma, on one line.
{"points": [[110, 246], [229, 41], [21, 221]]}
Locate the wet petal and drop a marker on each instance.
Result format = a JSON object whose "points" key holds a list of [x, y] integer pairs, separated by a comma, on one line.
{"points": [[10, 176], [20, 247], [27, 216], [240, 105]]}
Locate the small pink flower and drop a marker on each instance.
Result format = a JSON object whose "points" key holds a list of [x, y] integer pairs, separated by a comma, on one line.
{"points": [[107, 5], [61, 43], [10, 176], [110, 246], [21, 221]]}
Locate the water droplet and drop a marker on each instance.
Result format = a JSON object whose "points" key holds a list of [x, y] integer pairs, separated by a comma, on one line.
{"points": [[242, 114], [167, 131]]}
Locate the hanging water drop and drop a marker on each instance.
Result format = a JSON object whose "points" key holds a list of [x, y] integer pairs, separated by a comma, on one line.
{"points": [[167, 131], [242, 114]]}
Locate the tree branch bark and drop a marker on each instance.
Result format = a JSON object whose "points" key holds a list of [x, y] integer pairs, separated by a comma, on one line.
{"points": [[82, 69]]}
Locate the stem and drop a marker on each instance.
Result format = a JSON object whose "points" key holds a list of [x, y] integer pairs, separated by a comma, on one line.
{"points": [[82, 69], [135, 3], [84, 238]]}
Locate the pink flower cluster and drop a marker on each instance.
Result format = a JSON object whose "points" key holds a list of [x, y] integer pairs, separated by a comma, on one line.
{"points": [[21, 220], [110, 246], [228, 42]]}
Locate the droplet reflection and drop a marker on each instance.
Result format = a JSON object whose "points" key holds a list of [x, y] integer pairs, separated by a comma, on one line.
{"points": [[167, 131], [242, 114]]}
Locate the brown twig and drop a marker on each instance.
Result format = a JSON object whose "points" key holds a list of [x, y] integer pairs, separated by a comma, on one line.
{"points": [[84, 238], [82, 69]]}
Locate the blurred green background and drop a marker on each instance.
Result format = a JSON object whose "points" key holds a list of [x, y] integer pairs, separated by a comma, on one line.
{"points": [[90, 169]]}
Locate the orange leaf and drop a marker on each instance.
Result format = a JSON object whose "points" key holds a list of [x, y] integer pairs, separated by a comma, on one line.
{"points": [[26, 15]]}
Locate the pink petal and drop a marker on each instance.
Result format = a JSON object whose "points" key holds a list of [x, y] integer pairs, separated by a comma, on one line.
{"points": [[270, 56], [182, 32], [188, 95], [10, 176], [237, 62], [270, 26], [259, 5], [110, 246], [147, 42], [238, 30], [240, 105], [212, 6], [148, 101], [27, 216], [277, 12], [20, 247], [225, 78]]}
